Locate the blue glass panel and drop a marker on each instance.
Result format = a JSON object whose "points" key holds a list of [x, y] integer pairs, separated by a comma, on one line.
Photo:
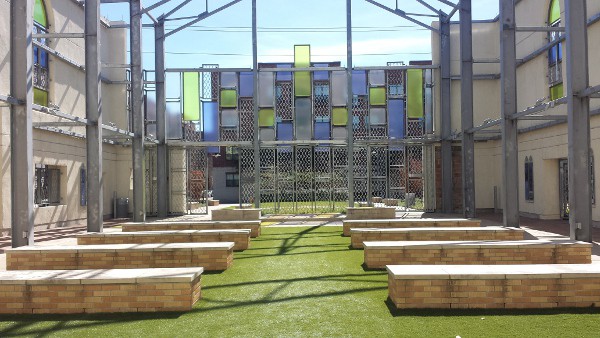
{"points": [[552, 55], [44, 59], [284, 76], [213, 150], [396, 119], [35, 54], [359, 82], [285, 131], [322, 131], [321, 75], [210, 114], [559, 48], [246, 84]]}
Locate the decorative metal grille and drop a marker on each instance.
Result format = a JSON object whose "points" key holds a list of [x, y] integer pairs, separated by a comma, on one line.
{"points": [[283, 101], [267, 179], [229, 134], [395, 82], [197, 180], [414, 128], [246, 120], [191, 131], [360, 113], [304, 180], [322, 179], [178, 181], [321, 99], [285, 179], [247, 181], [360, 174]]}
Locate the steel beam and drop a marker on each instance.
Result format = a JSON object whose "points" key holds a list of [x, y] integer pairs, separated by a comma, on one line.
{"points": [[349, 126], [580, 196], [445, 108], [256, 138], [402, 14], [137, 102], [466, 99], [93, 108], [21, 134], [509, 126], [202, 16], [162, 160]]}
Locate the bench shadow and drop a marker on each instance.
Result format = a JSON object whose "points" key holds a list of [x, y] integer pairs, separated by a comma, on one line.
{"points": [[395, 312]]}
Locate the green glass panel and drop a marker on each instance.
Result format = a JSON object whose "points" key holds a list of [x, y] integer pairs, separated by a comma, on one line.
{"points": [[377, 96], [554, 12], [556, 92], [266, 117], [414, 93], [191, 97], [228, 98], [339, 116], [39, 13], [40, 97], [302, 84], [302, 56]]}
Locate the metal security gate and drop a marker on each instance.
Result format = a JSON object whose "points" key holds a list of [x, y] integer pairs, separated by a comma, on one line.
{"points": [[189, 180]]}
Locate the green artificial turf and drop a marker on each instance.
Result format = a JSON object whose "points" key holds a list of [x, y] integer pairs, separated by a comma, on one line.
{"points": [[303, 282]]}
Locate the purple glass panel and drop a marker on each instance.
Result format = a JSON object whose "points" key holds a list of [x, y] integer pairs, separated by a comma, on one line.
{"points": [[322, 131], [284, 76], [246, 84], [396, 119], [210, 115], [359, 82], [285, 131], [321, 75]]}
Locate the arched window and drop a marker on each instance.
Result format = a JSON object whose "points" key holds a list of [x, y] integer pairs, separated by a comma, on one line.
{"points": [[40, 56], [555, 55], [529, 178]]}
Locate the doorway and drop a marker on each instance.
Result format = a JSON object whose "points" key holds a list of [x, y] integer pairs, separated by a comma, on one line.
{"points": [[563, 186]]}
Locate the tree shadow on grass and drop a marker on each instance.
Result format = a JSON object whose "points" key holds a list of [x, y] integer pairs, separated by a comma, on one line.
{"points": [[254, 256], [66, 321], [395, 312]]}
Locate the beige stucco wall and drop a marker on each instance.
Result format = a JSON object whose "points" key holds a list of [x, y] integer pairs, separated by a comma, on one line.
{"points": [[67, 91]]}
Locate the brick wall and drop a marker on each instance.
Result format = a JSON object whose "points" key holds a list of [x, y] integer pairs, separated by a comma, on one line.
{"points": [[454, 235], [378, 258], [253, 226], [241, 240], [456, 178], [91, 298], [407, 223]]}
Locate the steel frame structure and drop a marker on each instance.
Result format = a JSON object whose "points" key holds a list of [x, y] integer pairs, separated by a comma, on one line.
{"points": [[21, 104]]}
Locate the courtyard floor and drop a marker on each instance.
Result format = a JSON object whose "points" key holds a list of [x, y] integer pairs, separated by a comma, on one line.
{"points": [[305, 281]]}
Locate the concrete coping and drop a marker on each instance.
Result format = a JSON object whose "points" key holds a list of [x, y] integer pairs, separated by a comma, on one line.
{"points": [[194, 222], [411, 220], [369, 208], [101, 276], [124, 247], [416, 245], [436, 229], [165, 233], [517, 271]]}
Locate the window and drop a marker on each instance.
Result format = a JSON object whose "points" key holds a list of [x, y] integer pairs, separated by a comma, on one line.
{"points": [[529, 179], [555, 80], [232, 180], [232, 153], [40, 56], [46, 185]]}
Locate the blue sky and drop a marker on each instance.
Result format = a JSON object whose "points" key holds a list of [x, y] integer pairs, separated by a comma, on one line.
{"points": [[225, 38]]}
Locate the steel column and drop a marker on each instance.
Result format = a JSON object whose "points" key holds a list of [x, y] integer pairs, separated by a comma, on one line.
{"points": [[580, 198], [21, 139], [349, 125], [137, 101], [162, 161], [446, 119], [509, 125], [256, 139], [466, 98], [93, 108]]}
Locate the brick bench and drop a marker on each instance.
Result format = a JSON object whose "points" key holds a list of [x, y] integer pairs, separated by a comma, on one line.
{"points": [[409, 223], [360, 235], [87, 291], [254, 226], [498, 286], [241, 237], [210, 256], [370, 213], [380, 254], [247, 214]]}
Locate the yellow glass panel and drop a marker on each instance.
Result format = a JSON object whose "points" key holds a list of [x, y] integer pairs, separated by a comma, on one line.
{"points": [[377, 96], [556, 92], [40, 97], [228, 98], [302, 84], [266, 117], [339, 116], [302, 56]]}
